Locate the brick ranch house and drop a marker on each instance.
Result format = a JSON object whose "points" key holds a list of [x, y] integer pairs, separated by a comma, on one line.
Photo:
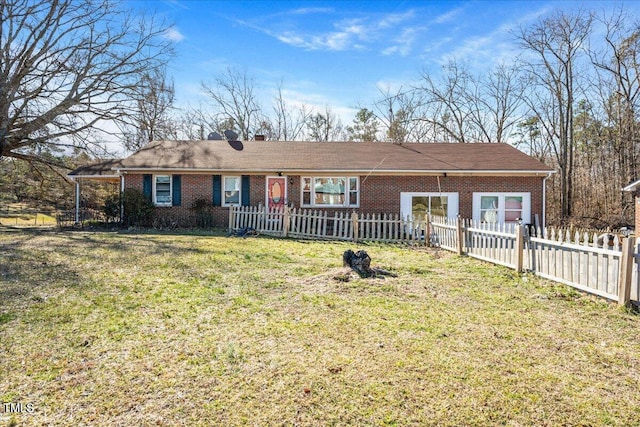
{"points": [[487, 182]]}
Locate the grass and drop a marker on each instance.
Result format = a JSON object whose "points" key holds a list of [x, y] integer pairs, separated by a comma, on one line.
{"points": [[200, 329]]}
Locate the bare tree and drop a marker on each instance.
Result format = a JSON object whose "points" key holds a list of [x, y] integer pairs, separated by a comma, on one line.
{"points": [[190, 124], [463, 107], [150, 119], [66, 68], [530, 137], [495, 104], [399, 112], [235, 102], [554, 44], [324, 127], [445, 103], [287, 125], [618, 66]]}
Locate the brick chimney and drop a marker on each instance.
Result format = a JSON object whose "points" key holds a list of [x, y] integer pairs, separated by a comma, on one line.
{"points": [[259, 138]]}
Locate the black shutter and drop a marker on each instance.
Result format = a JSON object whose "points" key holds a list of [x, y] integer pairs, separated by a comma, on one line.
{"points": [[146, 186], [217, 190], [245, 190], [176, 189]]}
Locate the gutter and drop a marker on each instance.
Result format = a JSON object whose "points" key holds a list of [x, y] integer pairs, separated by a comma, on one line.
{"points": [[544, 199], [74, 177], [341, 171]]}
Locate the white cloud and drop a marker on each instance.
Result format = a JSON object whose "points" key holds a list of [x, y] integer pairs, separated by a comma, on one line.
{"points": [[351, 34], [174, 34], [310, 10], [391, 20], [317, 103], [493, 47], [176, 4], [437, 44], [346, 39], [403, 44], [447, 17]]}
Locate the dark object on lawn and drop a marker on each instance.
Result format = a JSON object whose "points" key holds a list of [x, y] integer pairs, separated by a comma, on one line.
{"points": [[360, 262], [243, 232]]}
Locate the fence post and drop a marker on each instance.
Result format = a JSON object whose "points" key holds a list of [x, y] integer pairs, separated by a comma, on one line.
{"points": [[427, 229], [459, 235], [231, 217], [626, 265], [519, 246], [356, 231], [286, 219]]}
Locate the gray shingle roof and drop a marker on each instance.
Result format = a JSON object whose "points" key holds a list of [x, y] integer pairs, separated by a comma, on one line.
{"points": [[102, 168], [370, 157]]}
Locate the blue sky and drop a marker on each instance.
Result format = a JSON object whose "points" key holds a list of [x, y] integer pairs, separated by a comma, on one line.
{"points": [[339, 53]]}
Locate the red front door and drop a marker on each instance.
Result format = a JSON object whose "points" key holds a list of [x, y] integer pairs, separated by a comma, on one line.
{"points": [[276, 191]]}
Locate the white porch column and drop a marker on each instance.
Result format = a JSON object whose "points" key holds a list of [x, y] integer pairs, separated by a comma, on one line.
{"points": [[121, 199], [77, 200]]}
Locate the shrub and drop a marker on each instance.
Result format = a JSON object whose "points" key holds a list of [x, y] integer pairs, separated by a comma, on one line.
{"points": [[202, 210], [138, 210], [111, 208]]}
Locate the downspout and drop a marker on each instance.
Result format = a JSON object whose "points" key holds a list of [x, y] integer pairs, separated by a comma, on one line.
{"points": [[544, 200]]}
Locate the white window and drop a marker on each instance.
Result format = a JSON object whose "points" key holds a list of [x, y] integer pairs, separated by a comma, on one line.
{"points": [[231, 193], [418, 204], [331, 191], [162, 190], [502, 207]]}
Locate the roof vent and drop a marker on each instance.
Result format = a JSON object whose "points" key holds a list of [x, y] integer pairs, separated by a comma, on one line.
{"points": [[214, 136], [259, 138]]}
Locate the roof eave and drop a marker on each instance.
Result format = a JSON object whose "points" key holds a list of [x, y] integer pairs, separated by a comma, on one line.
{"points": [[380, 172]]}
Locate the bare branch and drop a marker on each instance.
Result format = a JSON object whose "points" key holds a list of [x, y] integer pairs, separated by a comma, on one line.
{"points": [[67, 66]]}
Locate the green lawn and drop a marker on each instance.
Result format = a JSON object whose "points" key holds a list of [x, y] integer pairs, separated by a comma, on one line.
{"points": [[152, 329]]}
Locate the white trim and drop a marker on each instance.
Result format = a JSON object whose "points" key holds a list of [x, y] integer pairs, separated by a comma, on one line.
{"points": [[347, 191], [77, 201], [526, 205], [344, 172], [223, 190], [74, 177], [153, 191], [543, 222], [632, 187], [121, 198], [406, 199]]}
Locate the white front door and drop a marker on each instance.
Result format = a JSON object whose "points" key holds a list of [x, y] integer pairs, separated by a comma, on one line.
{"points": [[419, 203]]}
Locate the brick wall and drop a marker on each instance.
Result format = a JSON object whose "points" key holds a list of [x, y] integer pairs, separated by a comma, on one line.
{"points": [[382, 194], [378, 194], [194, 187]]}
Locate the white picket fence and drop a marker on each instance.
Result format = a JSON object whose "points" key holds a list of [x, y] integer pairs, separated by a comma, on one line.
{"points": [[314, 224], [575, 259]]}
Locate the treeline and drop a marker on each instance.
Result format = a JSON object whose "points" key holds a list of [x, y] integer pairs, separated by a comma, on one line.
{"points": [[45, 186]]}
